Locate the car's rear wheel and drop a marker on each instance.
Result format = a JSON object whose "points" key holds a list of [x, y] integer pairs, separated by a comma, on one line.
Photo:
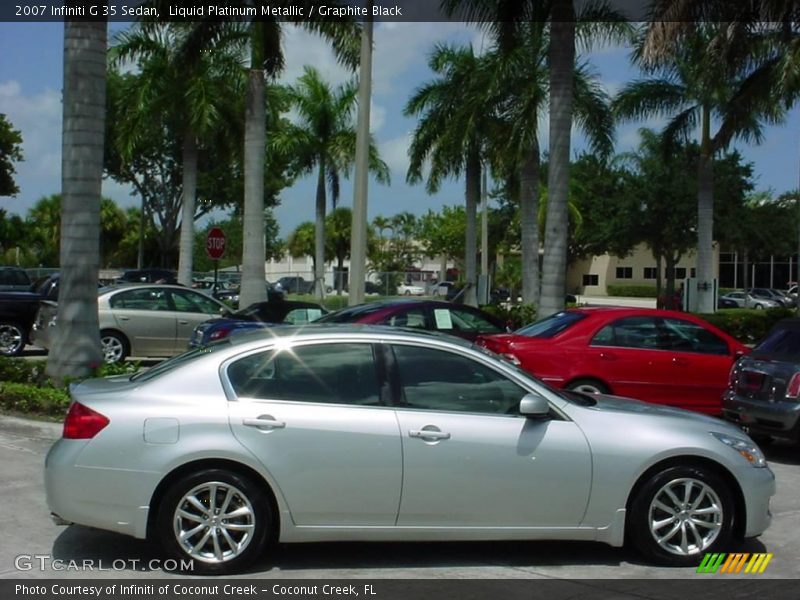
{"points": [[115, 347], [587, 386], [681, 514], [12, 339], [218, 519]]}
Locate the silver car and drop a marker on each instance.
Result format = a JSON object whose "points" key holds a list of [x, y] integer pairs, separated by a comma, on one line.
{"points": [[139, 320], [365, 433], [743, 300]]}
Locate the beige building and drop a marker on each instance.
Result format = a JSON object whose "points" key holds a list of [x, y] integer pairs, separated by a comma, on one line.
{"points": [[593, 275]]}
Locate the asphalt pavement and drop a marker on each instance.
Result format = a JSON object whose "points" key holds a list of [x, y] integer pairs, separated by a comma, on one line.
{"points": [[29, 533]]}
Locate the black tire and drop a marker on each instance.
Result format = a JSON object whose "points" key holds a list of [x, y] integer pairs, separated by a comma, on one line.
{"points": [[245, 495], [587, 385], [115, 346], [714, 536], [12, 338]]}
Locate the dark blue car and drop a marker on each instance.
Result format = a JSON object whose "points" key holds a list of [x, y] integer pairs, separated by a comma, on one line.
{"points": [[256, 316]]}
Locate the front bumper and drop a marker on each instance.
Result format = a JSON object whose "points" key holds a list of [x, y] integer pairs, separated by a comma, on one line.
{"points": [[778, 419], [758, 486]]}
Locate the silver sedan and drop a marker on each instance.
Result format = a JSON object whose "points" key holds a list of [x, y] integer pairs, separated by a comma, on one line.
{"points": [[328, 433], [139, 320]]}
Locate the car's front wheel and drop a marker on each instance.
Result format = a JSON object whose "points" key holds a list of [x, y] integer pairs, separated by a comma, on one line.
{"points": [[680, 514], [218, 519]]}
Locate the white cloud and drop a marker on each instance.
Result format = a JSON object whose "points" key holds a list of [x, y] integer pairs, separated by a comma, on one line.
{"points": [[377, 117], [395, 153]]}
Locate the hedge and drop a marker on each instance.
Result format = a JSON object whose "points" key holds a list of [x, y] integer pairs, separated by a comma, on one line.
{"points": [[745, 324], [25, 388], [632, 291], [515, 315]]}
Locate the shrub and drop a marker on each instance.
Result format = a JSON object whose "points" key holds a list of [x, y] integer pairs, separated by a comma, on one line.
{"points": [[24, 387], [747, 325], [33, 399], [516, 315], [632, 291]]}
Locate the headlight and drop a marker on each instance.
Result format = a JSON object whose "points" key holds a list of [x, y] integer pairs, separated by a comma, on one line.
{"points": [[746, 448]]}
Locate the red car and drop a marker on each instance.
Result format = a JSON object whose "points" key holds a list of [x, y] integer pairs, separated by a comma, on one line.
{"points": [[659, 356]]}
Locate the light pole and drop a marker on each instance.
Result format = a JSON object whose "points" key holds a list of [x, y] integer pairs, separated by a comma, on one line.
{"points": [[358, 240]]}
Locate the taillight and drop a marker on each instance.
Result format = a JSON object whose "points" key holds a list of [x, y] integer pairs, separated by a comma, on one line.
{"points": [[793, 389], [218, 334], [83, 423], [511, 358], [732, 375]]}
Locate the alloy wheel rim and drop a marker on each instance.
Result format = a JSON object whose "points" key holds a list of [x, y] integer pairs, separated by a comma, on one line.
{"points": [[685, 517], [112, 349], [10, 339], [214, 522]]}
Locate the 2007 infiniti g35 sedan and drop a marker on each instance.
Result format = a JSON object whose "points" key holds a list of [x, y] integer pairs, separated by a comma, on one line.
{"points": [[328, 433]]}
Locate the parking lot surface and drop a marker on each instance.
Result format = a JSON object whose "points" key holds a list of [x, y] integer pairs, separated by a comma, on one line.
{"points": [[29, 535]]}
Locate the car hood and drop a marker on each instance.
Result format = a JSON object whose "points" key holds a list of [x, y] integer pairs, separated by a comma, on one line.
{"points": [[618, 404]]}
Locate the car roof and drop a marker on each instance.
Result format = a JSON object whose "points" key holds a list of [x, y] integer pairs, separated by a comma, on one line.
{"points": [[334, 330]]}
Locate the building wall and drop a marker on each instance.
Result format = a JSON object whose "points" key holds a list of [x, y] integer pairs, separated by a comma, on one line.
{"points": [[593, 275]]}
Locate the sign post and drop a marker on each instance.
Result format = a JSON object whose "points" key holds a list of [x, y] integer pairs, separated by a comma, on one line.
{"points": [[215, 248]]}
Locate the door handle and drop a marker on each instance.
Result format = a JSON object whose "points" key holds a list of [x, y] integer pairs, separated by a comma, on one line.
{"points": [[679, 361], [124, 318], [264, 422], [183, 322], [608, 356], [428, 434]]}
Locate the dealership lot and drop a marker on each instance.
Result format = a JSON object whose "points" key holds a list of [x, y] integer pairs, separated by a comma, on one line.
{"points": [[33, 547]]}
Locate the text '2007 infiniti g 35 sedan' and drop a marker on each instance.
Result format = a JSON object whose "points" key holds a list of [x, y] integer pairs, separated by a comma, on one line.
{"points": [[366, 433]]}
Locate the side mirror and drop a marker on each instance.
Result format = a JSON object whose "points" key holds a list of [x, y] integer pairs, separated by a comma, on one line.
{"points": [[534, 406]]}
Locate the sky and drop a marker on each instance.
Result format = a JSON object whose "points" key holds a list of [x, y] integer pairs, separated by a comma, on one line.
{"points": [[31, 57]]}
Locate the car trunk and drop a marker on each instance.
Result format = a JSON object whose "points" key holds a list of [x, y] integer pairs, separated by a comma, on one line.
{"points": [[764, 377]]}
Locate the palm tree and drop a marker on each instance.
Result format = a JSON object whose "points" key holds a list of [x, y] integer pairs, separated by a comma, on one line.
{"points": [[325, 140], [504, 18], [191, 83], [455, 119], [76, 347], [522, 89], [266, 61], [696, 88]]}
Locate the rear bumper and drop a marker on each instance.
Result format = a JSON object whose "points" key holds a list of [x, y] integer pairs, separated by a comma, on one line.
{"points": [[775, 419]]}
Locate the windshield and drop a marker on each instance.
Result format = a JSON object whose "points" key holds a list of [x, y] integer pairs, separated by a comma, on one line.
{"points": [[781, 341], [552, 325]]}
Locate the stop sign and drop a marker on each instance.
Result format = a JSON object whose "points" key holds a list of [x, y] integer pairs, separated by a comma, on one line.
{"points": [[215, 243]]}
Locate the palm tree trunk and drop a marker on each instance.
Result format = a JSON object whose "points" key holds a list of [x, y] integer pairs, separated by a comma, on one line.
{"points": [[76, 347], [253, 287], [529, 213], [562, 64], [319, 234], [659, 298], [705, 219], [473, 193], [187, 212]]}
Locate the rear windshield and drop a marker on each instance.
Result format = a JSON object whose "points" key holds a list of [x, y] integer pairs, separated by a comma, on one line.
{"points": [[781, 341], [349, 315], [552, 325], [177, 361]]}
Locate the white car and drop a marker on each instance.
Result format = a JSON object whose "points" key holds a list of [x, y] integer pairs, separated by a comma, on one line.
{"points": [[407, 289]]}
